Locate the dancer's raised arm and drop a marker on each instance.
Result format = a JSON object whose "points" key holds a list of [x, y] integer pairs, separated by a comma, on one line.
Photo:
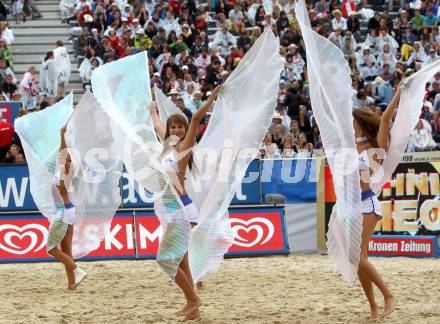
{"points": [[158, 127], [197, 117], [383, 135], [65, 160]]}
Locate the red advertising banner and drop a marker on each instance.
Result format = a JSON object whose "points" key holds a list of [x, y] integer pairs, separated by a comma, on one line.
{"points": [[257, 231], [148, 234], [23, 238], [118, 241], [403, 245]]}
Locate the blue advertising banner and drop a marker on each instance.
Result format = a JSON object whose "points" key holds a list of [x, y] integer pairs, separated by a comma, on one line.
{"points": [[135, 197], [9, 111], [250, 186], [295, 179], [15, 192]]}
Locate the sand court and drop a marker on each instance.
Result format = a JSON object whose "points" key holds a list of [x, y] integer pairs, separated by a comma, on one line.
{"points": [[278, 289]]}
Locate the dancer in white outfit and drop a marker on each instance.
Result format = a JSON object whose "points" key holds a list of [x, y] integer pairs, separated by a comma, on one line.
{"points": [[349, 232], [178, 217], [62, 186], [61, 228], [51, 175], [372, 132], [238, 123]]}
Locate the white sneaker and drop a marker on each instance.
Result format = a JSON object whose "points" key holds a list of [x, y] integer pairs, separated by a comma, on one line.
{"points": [[79, 275]]}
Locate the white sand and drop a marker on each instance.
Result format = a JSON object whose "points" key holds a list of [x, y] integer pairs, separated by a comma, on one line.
{"points": [[294, 289]]}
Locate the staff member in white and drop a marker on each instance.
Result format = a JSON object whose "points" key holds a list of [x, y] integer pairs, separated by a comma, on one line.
{"points": [[431, 57], [67, 9], [339, 21], [418, 55], [48, 78], [6, 33], [297, 60], [62, 63], [28, 89], [223, 40]]}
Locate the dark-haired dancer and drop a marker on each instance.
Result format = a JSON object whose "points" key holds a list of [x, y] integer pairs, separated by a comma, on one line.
{"points": [[372, 132], [348, 133]]}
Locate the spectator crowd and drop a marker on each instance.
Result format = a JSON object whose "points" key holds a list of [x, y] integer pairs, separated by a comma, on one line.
{"points": [[193, 46], [12, 89]]}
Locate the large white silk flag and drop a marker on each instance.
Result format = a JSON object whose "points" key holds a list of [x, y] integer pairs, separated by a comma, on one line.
{"points": [[95, 185], [122, 89], [237, 127], [240, 119], [165, 106], [95, 191], [40, 136], [408, 114], [330, 94]]}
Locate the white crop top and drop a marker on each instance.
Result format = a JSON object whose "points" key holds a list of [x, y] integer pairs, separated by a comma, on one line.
{"points": [[169, 163]]}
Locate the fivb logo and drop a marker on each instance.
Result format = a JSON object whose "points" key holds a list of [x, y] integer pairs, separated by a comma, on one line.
{"points": [[255, 231], [22, 240]]}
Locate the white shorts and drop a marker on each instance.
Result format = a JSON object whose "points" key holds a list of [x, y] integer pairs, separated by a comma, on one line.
{"points": [[67, 215], [371, 205], [190, 213]]}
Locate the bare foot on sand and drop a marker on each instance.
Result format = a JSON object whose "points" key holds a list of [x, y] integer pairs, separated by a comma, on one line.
{"points": [[200, 286], [190, 306], [374, 313], [390, 304], [192, 315]]}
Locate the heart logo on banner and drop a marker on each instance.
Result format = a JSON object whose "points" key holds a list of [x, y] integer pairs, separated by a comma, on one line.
{"points": [[30, 231], [262, 226]]}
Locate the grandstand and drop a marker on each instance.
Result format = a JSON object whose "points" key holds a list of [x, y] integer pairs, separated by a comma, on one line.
{"points": [[194, 46]]}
